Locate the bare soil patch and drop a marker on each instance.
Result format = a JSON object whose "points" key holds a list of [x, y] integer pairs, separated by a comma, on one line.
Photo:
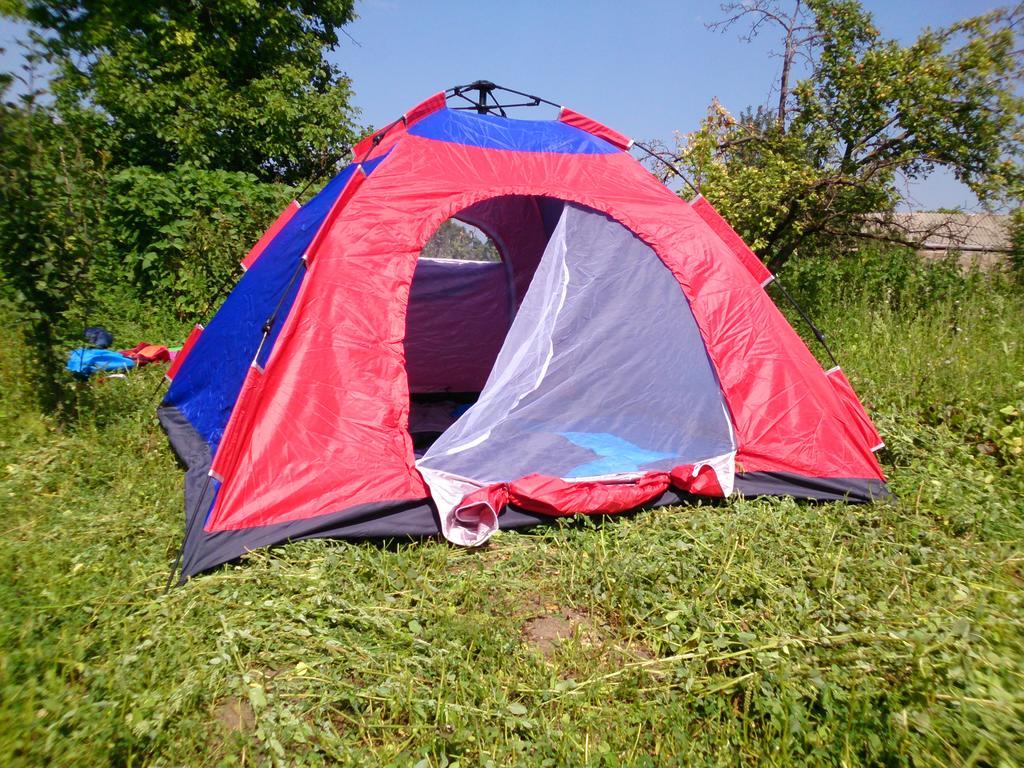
{"points": [[235, 715], [543, 633]]}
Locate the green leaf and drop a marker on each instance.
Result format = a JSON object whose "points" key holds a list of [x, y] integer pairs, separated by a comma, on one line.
{"points": [[257, 696]]}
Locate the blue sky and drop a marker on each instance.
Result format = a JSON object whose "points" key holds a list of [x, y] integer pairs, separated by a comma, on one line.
{"points": [[647, 68]]}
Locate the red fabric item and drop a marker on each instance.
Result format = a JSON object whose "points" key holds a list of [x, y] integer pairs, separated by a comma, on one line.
{"points": [[562, 498], [730, 237], [148, 353], [179, 359], [232, 443], [859, 416], [588, 124], [704, 483], [270, 234], [388, 139], [491, 499], [346, 194], [424, 108], [380, 141], [362, 148], [556, 497], [330, 428]]}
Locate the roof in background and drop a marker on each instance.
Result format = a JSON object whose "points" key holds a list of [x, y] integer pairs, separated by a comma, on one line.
{"points": [[967, 232]]}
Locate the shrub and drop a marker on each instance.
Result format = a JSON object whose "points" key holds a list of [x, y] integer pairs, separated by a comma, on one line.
{"points": [[51, 194], [1017, 243], [146, 251], [178, 236], [895, 277]]}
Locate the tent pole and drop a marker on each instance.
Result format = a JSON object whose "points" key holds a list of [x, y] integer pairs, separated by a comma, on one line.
{"points": [[267, 326], [671, 166], [818, 334], [188, 532], [481, 100], [485, 88]]}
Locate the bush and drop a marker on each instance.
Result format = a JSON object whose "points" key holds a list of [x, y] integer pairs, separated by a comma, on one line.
{"points": [[927, 346], [51, 194], [178, 236], [143, 252], [895, 277], [1017, 243]]}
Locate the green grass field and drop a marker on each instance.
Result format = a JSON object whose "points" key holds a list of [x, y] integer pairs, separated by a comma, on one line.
{"points": [[750, 632]]}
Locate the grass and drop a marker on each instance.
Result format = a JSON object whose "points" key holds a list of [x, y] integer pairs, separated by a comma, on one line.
{"points": [[751, 632]]}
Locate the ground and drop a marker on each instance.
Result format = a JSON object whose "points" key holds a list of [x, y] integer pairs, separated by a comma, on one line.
{"points": [[747, 632]]}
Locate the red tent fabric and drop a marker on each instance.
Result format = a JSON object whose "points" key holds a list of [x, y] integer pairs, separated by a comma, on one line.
{"points": [[312, 437]]}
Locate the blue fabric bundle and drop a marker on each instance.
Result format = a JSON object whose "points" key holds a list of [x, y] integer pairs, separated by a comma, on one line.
{"points": [[84, 362]]}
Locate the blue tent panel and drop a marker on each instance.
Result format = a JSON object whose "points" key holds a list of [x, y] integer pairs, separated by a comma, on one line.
{"points": [[207, 386], [492, 132]]}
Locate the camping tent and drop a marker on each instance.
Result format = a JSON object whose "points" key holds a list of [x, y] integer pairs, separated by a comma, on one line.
{"points": [[623, 352]]}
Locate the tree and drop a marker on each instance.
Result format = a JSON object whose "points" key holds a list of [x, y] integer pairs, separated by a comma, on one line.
{"points": [[815, 171], [461, 242], [799, 31], [234, 85], [51, 194]]}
